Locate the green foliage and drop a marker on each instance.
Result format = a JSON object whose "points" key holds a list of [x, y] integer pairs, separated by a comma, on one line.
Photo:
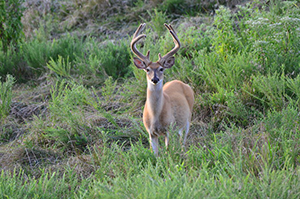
{"points": [[221, 159], [192, 40], [66, 128], [11, 12], [39, 52], [54, 185], [104, 59], [61, 67], [108, 90], [272, 88], [275, 39], [191, 176], [293, 86], [68, 124], [157, 20], [114, 58], [136, 95], [242, 64], [224, 41], [231, 71], [283, 128], [67, 56], [175, 8], [11, 34], [11, 62], [6, 96]]}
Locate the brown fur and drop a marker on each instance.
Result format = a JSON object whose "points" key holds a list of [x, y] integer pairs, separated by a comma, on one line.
{"points": [[166, 106], [178, 100]]}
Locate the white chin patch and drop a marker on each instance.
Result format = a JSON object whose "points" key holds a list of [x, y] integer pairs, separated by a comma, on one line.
{"points": [[156, 86]]}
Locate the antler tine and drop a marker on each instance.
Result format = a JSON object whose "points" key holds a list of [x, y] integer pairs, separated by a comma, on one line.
{"points": [[170, 28], [139, 30], [135, 39], [174, 50]]}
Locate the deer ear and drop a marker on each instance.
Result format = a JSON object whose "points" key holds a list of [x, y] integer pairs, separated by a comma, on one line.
{"points": [[139, 63], [169, 62]]}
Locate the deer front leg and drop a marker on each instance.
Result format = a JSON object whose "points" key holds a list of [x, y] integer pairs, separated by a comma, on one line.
{"points": [[167, 140], [154, 144]]}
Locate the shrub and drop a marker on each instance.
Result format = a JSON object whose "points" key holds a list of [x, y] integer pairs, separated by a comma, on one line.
{"points": [[11, 62], [68, 126], [38, 52], [114, 58], [11, 12], [61, 67], [5, 96], [275, 38], [175, 8], [283, 128]]}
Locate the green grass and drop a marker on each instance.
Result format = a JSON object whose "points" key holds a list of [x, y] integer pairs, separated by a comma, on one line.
{"points": [[144, 176], [6, 96], [71, 106], [55, 185]]}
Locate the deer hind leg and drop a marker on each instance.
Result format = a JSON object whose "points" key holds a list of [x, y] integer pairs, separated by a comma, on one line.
{"points": [[184, 136], [154, 144], [187, 128], [180, 135]]}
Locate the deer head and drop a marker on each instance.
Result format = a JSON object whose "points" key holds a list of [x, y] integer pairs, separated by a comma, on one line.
{"points": [[154, 70]]}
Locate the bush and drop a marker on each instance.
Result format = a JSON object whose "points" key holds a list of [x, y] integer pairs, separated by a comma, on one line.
{"points": [[38, 52], [175, 8], [114, 58], [283, 128], [11, 62], [67, 123], [11, 12]]}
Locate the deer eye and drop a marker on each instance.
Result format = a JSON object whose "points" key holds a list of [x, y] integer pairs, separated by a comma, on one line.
{"points": [[161, 69], [147, 69]]}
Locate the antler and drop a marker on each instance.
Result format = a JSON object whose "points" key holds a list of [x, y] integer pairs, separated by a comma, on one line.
{"points": [[174, 50], [135, 39]]}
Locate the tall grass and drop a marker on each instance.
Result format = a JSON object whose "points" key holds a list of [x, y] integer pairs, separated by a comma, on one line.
{"points": [[67, 124], [6, 96], [18, 185], [68, 56], [39, 52], [138, 174]]}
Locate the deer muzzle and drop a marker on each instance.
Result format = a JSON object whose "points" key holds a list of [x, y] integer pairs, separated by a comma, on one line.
{"points": [[155, 80]]}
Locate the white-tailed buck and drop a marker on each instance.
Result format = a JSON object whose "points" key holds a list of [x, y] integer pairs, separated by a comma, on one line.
{"points": [[166, 106]]}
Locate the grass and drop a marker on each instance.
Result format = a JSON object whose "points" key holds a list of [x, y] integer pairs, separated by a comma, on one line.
{"points": [[6, 96], [71, 103]]}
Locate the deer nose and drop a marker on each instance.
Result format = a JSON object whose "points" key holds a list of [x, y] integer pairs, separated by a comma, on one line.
{"points": [[155, 80]]}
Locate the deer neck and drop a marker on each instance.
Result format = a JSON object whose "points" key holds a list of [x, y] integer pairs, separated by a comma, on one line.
{"points": [[155, 98]]}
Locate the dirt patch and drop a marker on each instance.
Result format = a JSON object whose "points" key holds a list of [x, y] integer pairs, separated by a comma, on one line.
{"points": [[27, 158], [10, 132], [23, 112]]}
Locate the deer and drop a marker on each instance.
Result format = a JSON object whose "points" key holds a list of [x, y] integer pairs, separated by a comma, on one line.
{"points": [[167, 106]]}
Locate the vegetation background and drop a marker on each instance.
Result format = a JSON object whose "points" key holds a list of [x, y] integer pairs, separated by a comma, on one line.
{"points": [[71, 100]]}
